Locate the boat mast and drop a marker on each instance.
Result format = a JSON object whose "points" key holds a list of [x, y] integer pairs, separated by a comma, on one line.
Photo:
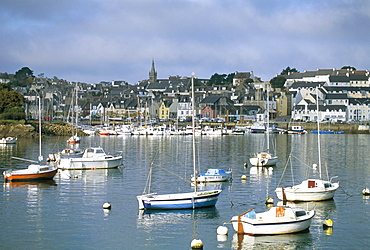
{"points": [[318, 129], [40, 154], [268, 123], [193, 127], [76, 108]]}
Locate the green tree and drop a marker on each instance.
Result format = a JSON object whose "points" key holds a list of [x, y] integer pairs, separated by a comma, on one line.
{"points": [[23, 77], [223, 79], [289, 70], [278, 82], [348, 67], [9, 99]]}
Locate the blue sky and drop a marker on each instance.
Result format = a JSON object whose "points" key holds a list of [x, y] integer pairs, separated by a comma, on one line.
{"points": [[103, 40]]}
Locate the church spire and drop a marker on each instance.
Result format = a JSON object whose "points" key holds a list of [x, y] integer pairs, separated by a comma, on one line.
{"points": [[152, 73]]}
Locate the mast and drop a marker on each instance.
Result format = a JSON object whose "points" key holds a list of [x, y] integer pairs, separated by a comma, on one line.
{"points": [[318, 129], [40, 154], [268, 123], [76, 108], [193, 126]]}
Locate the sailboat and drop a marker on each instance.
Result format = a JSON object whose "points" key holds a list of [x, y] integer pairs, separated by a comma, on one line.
{"points": [[310, 189], [265, 158], [190, 200], [36, 171], [75, 138]]}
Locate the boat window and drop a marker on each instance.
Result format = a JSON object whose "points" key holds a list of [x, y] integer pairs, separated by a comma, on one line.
{"points": [[300, 213], [90, 150], [327, 185], [99, 151]]}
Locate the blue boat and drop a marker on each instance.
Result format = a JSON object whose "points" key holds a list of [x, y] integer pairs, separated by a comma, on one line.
{"points": [[323, 132]]}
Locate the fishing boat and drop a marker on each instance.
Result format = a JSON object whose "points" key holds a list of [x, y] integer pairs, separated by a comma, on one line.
{"points": [[34, 172], [311, 189], [297, 129], [8, 140], [189, 200], [213, 175], [265, 158], [92, 158], [277, 220]]}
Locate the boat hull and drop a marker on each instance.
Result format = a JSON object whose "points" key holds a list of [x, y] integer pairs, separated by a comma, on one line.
{"points": [[19, 176], [263, 160], [299, 193], [88, 163], [285, 227], [178, 201], [276, 220]]}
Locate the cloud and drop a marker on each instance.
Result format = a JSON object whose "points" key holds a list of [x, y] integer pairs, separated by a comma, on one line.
{"points": [[92, 41]]}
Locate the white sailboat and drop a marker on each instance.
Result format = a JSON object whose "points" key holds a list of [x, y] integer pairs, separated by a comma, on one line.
{"points": [[190, 200], [310, 189], [265, 158], [36, 171]]}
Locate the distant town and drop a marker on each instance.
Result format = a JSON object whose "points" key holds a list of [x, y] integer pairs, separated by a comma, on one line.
{"points": [[342, 95]]}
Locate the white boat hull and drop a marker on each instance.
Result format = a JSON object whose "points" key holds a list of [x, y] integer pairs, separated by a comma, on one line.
{"points": [[279, 220], [85, 163], [263, 160], [190, 200], [303, 193]]}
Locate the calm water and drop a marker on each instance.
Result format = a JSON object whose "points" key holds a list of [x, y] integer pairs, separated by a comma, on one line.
{"points": [[67, 212]]}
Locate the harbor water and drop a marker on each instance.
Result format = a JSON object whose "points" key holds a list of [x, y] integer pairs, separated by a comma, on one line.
{"points": [[67, 213]]}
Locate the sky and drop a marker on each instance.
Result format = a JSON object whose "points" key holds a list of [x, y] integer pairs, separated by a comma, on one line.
{"points": [[103, 40]]}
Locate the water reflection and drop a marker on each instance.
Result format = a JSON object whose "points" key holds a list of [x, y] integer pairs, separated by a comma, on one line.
{"points": [[29, 184], [284, 241]]}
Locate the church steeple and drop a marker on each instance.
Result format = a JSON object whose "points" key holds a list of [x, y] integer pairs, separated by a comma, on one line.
{"points": [[153, 73]]}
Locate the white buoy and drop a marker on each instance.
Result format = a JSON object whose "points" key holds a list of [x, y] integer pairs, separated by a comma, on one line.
{"points": [[197, 244], [76, 176], [314, 166], [222, 230], [244, 177], [366, 191], [107, 205]]}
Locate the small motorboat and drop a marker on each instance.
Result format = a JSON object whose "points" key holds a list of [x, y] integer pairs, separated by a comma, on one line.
{"points": [[34, 172], [8, 140], [92, 158], [277, 220], [213, 175]]}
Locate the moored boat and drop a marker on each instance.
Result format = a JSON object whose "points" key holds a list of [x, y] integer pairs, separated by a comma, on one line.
{"points": [[92, 158], [8, 140], [277, 220], [213, 175]]}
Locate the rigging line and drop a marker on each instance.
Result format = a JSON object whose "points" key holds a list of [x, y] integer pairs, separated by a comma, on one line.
{"points": [[172, 173], [286, 164], [149, 177]]}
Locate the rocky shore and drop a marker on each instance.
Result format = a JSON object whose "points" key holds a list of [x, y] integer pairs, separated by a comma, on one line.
{"points": [[30, 129]]}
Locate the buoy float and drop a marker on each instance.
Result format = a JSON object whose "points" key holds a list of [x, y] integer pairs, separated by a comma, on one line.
{"points": [[314, 166], [222, 230], [76, 176], [366, 191], [107, 205], [244, 177], [246, 165], [269, 200], [196, 244], [328, 223]]}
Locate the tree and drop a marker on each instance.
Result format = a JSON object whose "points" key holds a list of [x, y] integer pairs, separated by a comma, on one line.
{"points": [[289, 70], [278, 82], [9, 99], [23, 77], [348, 67], [223, 79]]}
